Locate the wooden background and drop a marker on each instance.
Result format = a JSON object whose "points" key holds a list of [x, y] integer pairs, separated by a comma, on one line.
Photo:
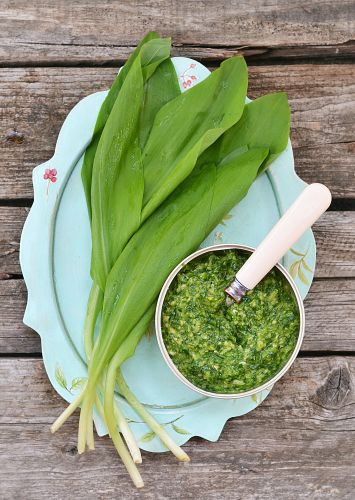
{"points": [[300, 442]]}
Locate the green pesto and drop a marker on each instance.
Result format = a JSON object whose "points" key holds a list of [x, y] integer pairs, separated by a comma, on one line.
{"points": [[228, 349]]}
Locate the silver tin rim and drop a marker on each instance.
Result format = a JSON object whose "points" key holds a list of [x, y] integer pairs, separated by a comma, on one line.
{"points": [[165, 353]]}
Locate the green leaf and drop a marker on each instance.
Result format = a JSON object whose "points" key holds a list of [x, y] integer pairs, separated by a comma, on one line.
{"points": [[149, 436], [254, 398], [141, 264], [60, 377], [128, 346], [265, 123], [239, 173], [117, 174], [294, 268], [161, 88], [188, 125], [302, 277], [117, 178], [152, 51], [179, 430], [295, 252], [77, 383], [306, 266]]}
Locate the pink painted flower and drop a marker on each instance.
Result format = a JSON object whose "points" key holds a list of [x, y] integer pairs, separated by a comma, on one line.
{"points": [[187, 80], [50, 174]]}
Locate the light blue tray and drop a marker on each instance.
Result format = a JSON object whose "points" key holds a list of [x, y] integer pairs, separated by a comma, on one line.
{"points": [[55, 260]]}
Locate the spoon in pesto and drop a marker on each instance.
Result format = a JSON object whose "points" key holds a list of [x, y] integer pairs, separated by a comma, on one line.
{"points": [[308, 207]]}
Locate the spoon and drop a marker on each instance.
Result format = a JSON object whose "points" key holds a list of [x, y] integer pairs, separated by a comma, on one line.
{"points": [[308, 207]]}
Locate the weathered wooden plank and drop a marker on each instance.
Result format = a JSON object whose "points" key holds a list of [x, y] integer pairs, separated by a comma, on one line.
{"points": [[11, 223], [297, 444], [334, 232], [330, 317], [34, 103], [14, 335], [335, 239], [77, 32]]}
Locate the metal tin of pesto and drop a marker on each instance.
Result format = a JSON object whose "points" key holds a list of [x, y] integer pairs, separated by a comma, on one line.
{"points": [[158, 325]]}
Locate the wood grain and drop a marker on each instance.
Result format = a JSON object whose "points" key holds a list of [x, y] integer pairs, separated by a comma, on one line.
{"points": [[330, 318], [69, 32], [35, 101], [14, 335], [335, 240], [334, 232], [12, 220], [298, 443]]}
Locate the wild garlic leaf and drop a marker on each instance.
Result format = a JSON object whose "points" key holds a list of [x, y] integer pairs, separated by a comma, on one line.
{"points": [[118, 169], [152, 50], [117, 178], [265, 122], [117, 175], [188, 125], [161, 88]]}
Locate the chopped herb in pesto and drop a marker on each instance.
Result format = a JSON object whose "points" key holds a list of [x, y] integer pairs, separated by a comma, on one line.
{"points": [[228, 349]]}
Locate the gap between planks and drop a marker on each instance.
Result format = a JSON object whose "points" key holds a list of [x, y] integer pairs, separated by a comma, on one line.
{"points": [[213, 55]]}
